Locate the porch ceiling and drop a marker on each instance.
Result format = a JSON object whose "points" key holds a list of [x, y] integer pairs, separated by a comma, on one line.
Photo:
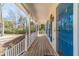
{"points": [[39, 11]]}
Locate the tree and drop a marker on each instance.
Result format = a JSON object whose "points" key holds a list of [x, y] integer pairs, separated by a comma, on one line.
{"points": [[8, 24]]}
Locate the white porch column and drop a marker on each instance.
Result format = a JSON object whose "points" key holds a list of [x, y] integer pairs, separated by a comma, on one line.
{"points": [[45, 28], [36, 26], [29, 27], [26, 36], [38, 29], [26, 42], [75, 29], [29, 30], [2, 20], [2, 27]]}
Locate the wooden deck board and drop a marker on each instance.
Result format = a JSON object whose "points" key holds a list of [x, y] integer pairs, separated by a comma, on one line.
{"points": [[41, 47]]}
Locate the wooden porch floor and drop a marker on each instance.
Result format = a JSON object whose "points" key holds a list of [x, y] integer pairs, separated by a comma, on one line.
{"points": [[41, 47]]}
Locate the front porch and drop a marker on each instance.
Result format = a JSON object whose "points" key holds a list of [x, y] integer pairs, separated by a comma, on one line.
{"points": [[38, 45], [41, 47]]}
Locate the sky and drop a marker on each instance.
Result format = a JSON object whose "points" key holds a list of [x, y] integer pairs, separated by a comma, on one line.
{"points": [[11, 11]]}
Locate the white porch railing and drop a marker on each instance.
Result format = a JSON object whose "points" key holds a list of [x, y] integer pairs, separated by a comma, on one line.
{"points": [[20, 47], [32, 38], [16, 50]]}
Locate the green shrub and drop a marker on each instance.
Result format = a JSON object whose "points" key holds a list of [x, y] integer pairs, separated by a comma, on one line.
{"points": [[15, 31], [33, 30]]}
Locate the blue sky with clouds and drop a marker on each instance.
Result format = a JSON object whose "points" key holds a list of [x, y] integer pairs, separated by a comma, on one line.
{"points": [[11, 11]]}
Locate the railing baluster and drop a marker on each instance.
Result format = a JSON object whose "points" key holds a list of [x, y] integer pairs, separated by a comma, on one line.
{"points": [[24, 44], [18, 49], [6, 51], [9, 52], [12, 51], [15, 50], [20, 46]]}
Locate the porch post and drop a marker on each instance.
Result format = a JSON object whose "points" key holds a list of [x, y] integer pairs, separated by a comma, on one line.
{"points": [[29, 30], [3, 27], [38, 29], [45, 29], [2, 20], [26, 36]]}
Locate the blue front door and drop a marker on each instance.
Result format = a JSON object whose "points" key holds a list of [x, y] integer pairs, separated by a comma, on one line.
{"points": [[66, 30]]}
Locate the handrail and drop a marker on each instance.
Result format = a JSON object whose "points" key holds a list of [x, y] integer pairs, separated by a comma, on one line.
{"points": [[16, 50]]}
